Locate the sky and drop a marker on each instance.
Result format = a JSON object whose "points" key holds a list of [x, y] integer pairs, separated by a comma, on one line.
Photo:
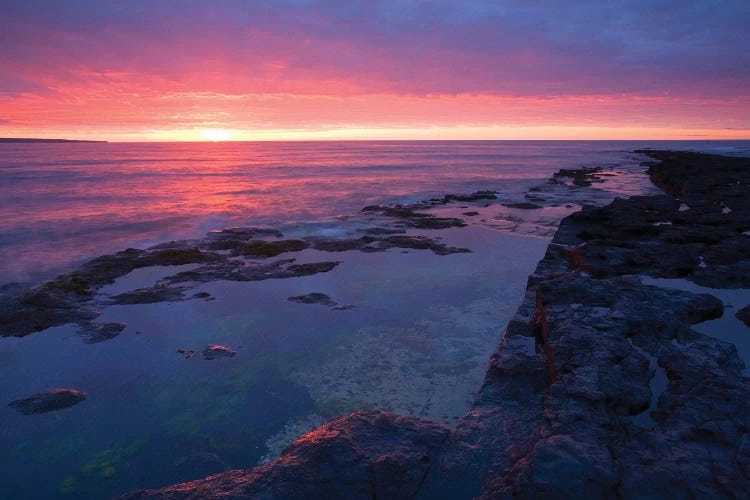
{"points": [[402, 69]]}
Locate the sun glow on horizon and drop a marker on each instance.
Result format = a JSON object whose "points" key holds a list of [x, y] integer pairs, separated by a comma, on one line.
{"points": [[216, 134]]}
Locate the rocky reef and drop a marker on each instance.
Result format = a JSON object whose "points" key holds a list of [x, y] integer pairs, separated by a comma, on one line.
{"points": [[571, 405], [235, 254]]}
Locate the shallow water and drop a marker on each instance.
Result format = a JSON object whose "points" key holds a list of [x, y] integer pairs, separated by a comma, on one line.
{"points": [[416, 341], [728, 327]]}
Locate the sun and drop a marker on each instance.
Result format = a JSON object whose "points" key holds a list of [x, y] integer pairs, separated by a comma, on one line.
{"points": [[216, 134]]}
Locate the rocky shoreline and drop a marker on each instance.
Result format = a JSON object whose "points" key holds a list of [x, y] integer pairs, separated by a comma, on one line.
{"points": [[570, 406]]}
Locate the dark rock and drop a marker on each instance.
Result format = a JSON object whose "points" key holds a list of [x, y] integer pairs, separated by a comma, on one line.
{"points": [[415, 219], [99, 332], [342, 245], [471, 214], [523, 205], [476, 196], [420, 243], [312, 268], [66, 299], [384, 230], [367, 454], [215, 351], [201, 295], [243, 233], [744, 315], [322, 299], [49, 400], [176, 257], [265, 249], [372, 244], [188, 353], [158, 293], [583, 177], [314, 298]]}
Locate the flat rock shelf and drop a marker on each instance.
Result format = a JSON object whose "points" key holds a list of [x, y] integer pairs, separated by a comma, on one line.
{"points": [[561, 411]]}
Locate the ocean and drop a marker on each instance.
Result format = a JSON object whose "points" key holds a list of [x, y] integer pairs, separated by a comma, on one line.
{"points": [[415, 335]]}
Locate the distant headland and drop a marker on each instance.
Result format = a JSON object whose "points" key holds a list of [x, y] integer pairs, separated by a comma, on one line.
{"points": [[27, 139]]}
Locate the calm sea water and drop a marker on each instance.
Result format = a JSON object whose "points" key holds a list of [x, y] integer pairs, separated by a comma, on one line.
{"points": [[61, 203], [417, 340]]}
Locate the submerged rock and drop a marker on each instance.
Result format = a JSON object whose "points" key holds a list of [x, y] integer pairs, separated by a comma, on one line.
{"points": [[49, 400], [99, 332], [188, 353], [215, 351], [320, 298], [314, 298]]}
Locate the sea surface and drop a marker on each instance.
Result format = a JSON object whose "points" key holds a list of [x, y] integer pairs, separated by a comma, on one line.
{"points": [[416, 340]]}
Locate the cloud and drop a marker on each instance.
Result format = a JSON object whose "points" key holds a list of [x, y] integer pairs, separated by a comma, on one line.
{"points": [[140, 55]]}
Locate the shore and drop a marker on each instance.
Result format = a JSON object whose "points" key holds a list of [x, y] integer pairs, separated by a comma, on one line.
{"points": [[601, 385]]}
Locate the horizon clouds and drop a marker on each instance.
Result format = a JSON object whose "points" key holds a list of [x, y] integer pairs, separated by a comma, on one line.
{"points": [[137, 70]]}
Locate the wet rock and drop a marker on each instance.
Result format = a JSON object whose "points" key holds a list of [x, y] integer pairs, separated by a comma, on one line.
{"points": [[91, 333], [476, 196], [158, 293], [176, 257], [265, 249], [471, 214], [320, 298], [68, 298], [188, 353], [372, 244], [215, 351], [744, 315], [378, 231], [49, 400], [523, 205], [583, 177], [331, 245], [367, 454], [314, 298], [243, 233], [309, 269], [419, 243], [413, 218], [202, 295]]}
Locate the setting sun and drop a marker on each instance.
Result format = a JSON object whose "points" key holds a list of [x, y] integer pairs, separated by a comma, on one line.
{"points": [[216, 135]]}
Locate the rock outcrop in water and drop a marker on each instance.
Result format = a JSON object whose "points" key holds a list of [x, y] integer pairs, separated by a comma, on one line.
{"points": [[215, 351], [231, 254], [319, 298], [569, 407], [49, 400]]}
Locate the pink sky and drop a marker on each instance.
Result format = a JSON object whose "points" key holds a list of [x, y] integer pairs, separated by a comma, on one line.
{"points": [[390, 70]]}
